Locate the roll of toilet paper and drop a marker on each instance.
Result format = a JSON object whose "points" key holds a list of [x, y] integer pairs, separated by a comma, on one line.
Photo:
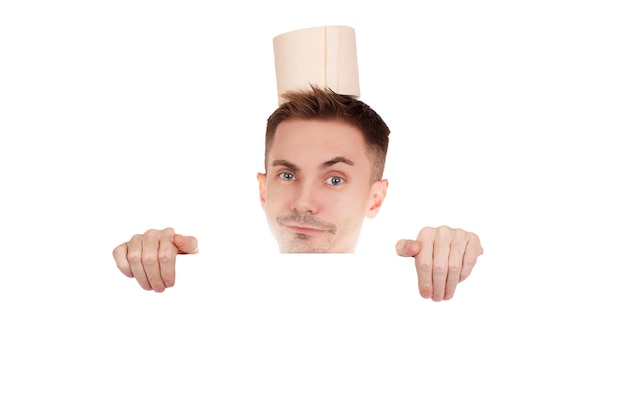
{"points": [[322, 56]]}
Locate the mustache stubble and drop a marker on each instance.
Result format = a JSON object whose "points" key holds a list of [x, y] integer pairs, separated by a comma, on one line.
{"points": [[306, 220]]}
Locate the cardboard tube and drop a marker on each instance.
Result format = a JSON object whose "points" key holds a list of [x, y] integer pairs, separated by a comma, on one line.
{"points": [[322, 56]]}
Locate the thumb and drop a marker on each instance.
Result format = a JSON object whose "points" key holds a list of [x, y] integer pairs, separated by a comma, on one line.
{"points": [[407, 247], [186, 244]]}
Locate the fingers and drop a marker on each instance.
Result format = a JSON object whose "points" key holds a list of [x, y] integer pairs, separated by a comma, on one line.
{"points": [[472, 251], [441, 255], [407, 248], [186, 244], [119, 254], [158, 245], [135, 260], [151, 258], [447, 257], [424, 263], [455, 262]]}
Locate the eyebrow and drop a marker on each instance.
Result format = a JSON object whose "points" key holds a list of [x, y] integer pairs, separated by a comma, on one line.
{"points": [[284, 163], [329, 163], [336, 160]]}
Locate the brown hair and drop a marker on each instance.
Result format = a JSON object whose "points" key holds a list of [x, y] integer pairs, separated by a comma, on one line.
{"points": [[325, 104]]}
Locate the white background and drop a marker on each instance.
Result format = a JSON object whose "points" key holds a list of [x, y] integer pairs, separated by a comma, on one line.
{"points": [[507, 119]]}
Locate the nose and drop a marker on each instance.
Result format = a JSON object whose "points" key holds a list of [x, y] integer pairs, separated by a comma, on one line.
{"points": [[305, 199]]}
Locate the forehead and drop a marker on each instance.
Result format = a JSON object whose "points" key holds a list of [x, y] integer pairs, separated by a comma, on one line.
{"points": [[303, 139]]}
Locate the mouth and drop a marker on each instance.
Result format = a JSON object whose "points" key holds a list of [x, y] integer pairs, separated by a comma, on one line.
{"points": [[305, 225], [304, 229]]}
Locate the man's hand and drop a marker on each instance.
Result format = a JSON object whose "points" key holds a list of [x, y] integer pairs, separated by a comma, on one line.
{"points": [[443, 258], [150, 258]]}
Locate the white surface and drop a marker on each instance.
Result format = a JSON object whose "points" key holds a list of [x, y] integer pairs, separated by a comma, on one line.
{"points": [[507, 120]]}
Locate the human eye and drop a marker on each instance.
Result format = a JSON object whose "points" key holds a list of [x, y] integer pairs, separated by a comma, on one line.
{"points": [[287, 176], [334, 180]]}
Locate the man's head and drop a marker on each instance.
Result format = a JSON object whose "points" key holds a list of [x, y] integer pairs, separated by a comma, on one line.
{"points": [[324, 160]]}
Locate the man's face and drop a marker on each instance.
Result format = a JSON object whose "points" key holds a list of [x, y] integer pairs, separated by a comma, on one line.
{"points": [[317, 189]]}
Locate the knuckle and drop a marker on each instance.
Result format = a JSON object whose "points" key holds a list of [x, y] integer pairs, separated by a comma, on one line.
{"points": [[454, 267], [440, 269], [133, 257], [444, 229], [470, 262], [460, 233], [476, 245], [165, 256], [446, 232], [424, 265], [118, 251], [148, 259], [156, 233]]}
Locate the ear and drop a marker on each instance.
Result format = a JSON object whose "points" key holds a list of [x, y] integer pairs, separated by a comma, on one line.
{"points": [[378, 191], [261, 179]]}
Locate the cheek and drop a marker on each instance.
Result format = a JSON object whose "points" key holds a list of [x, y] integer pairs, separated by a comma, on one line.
{"points": [[276, 198], [351, 207]]}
